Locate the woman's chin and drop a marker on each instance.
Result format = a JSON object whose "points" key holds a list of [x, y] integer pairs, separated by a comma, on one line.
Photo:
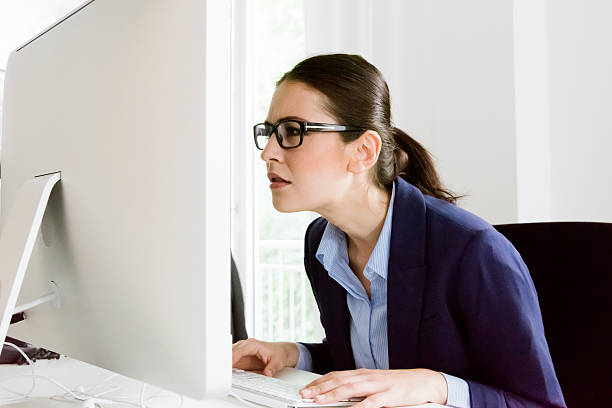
{"points": [[285, 207]]}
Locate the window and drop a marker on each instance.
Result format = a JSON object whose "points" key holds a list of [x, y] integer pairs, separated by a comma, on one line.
{"points": [[283, 304]]}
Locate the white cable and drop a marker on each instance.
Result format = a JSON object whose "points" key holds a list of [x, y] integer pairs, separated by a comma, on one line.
{"points": [[31, 364], [83, 395], [154, 394], [44, 377], [34, 376], [142, 391], [110, 377], [107, 392], [65, 397], [127, 400], [86, 394], [63, 387]]}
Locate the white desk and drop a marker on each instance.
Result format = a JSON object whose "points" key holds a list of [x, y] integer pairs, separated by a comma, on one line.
{"points": [[72, 373]]}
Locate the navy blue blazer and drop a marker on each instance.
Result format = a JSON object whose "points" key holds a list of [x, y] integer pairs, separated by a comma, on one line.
{"points": [[460, 301]]}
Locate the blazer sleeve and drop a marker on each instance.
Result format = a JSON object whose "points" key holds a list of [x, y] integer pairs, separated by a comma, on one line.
{"points": [[512, 365], [321, 359]]}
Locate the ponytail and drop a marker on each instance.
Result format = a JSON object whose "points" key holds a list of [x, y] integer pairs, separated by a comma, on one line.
{"points": [[414, 164]]}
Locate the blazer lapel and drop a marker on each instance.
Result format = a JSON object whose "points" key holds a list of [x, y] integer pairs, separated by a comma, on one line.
{"points": [[406, 275], [337, 322], [335, 316]]}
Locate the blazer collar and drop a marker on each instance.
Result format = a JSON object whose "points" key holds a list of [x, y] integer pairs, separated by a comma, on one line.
{"points": [[408, 228], [407, 271]]}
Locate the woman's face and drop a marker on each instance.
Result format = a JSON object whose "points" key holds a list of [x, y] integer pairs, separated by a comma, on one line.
{"points": [[316, 172]]}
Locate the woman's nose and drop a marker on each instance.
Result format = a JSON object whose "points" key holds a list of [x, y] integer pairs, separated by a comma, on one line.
{"points": [[272, 151]]}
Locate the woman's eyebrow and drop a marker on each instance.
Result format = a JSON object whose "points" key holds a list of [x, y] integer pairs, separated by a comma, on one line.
{"points": [[286, 118]]}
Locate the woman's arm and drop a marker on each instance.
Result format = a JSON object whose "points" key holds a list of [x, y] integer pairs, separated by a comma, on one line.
{"points": [[318, 356], [504, 329], [267, 357]]}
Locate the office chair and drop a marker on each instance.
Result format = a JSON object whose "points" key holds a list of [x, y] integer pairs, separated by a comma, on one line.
{"points": [[237, 318], [571, 266]]}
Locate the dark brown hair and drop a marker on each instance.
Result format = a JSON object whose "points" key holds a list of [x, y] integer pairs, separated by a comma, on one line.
{"points": [[357, 95]]}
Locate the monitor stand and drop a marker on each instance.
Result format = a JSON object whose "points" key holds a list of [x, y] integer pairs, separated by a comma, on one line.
{"points": [[21, 227]]}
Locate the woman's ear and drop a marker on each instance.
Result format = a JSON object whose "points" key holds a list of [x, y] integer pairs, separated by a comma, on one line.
{"points": [[364, 151]]}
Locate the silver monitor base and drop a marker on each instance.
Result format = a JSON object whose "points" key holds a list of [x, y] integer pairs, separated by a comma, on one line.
{"points": [[22, 224]]}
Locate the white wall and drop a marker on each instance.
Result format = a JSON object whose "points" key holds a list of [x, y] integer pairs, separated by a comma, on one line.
{"points": [[460, 65], [532, 108], [580, 80], [512, 97], [449, 66]]}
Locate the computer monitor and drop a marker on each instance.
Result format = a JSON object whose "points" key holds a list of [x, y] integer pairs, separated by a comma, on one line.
{"points": [[127, 102]]}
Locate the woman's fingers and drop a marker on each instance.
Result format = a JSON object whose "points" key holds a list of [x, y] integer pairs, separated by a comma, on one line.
{"points": [[248, 350], [249, 363], [373, 401], [340, 385], [272, 367], [332, 380], [349, 390], [317, 386], [257, 355]]}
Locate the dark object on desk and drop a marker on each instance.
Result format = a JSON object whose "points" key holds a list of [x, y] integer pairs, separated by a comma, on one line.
{"points": [[11, 356], [237, 319], [17, 317], [571, 267]]}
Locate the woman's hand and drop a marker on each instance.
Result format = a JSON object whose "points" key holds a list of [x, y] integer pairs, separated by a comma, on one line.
{"points": [[256, 355], [388, 388]]}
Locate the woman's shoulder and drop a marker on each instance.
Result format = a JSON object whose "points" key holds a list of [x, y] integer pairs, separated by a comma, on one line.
{"points": [[413, 208], [452, 216], [451, 226], [480, 241]]}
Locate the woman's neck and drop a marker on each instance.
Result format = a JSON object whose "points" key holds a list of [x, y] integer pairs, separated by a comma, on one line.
{"points": [[361, 215]]}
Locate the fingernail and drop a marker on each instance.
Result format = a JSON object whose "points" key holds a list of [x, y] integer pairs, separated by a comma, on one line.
{"points": [[321, 397], [306, 392]]}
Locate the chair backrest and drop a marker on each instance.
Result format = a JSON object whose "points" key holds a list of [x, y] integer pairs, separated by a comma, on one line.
{"points": [[237, 318], [571, 266]]}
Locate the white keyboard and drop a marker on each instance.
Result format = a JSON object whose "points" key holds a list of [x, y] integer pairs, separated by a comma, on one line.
{"points": [[273, 392]]}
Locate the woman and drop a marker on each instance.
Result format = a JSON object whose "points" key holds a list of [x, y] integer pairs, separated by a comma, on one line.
{"points": [[420, 300]]}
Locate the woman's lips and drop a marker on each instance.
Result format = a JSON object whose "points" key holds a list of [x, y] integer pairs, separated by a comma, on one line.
{"points": [[278, 184], [277, 181]]}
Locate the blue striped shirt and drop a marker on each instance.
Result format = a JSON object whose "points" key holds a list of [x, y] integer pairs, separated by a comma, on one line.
{"points": [[368, 329]]}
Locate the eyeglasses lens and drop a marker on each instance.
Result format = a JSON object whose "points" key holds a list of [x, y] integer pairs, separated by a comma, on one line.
{"points": [[290, 134]]}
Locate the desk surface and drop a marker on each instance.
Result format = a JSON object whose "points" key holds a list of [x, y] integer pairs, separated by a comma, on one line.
{"points": [[72, 373]]}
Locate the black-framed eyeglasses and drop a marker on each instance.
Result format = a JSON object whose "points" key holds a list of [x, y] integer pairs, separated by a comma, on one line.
{"points": [[290, 132]]}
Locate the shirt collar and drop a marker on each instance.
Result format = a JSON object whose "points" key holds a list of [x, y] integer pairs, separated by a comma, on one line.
{"points": [[332, 248]]}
